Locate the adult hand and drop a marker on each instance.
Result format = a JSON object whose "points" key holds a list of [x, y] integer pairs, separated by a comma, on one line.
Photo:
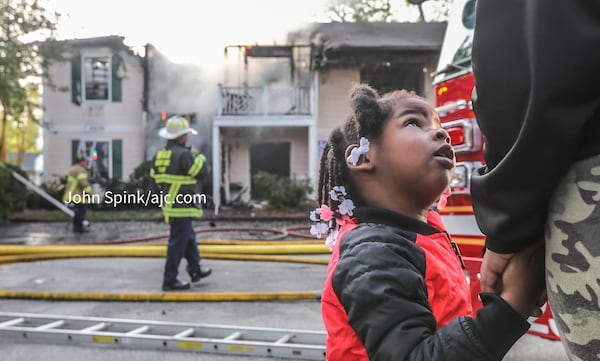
{"points": [[524, 286], [492, 268]]}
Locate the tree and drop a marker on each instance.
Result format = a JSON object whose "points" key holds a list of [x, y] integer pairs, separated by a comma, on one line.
{"points": [[22, 132], [360, 10], [382, 10], [23, 57]]}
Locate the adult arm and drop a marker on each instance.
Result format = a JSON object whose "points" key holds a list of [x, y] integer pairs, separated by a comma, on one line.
{"points": [[535, 64], [83, 180], [195, 166]]}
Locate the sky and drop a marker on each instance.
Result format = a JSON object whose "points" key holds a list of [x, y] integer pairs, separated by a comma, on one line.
{"points": [[186, 31]]}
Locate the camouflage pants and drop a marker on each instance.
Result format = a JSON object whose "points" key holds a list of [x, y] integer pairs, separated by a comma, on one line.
{"points": [[573, 260]]}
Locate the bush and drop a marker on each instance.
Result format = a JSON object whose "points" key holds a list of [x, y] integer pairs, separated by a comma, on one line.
{"points": [[139, 182], [262, 182], [55, 188], [12, 192], [140, 179], [281, 192]]}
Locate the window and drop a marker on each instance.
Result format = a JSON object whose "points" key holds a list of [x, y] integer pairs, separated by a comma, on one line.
{"points": [[104, 158], [96, 77], [83, 76], [388, 76]]}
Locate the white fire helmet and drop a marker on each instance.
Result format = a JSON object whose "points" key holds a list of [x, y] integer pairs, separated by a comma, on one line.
{"points": [[175, 127]]}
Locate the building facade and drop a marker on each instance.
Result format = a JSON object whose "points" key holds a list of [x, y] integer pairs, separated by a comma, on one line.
{"points": [[276, 116], [94, 107], [272, 110]]}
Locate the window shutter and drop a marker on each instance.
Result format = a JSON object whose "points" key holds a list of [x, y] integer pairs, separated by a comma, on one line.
{"points": [[116, 81], [76, 80], [117, 158], [74, 145]]}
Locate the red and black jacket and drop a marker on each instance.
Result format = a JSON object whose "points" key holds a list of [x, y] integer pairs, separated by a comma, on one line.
{"points": [[395, 290]]}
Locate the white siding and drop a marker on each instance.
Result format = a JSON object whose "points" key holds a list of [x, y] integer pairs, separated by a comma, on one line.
{"points": [[333, 100], [92, 120]]}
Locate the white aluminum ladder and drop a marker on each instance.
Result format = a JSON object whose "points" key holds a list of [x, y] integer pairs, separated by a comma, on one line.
{"points": [[157, 335]]}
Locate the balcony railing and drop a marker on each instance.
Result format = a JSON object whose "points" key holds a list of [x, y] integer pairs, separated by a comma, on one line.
{"points": [[265, 100]]}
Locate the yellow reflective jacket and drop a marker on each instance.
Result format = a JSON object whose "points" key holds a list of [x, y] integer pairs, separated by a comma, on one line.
{"points": [[176, 172], [78, 188]]}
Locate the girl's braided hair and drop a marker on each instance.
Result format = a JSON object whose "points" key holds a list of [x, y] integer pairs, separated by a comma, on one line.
{"points": [[369, 114]]}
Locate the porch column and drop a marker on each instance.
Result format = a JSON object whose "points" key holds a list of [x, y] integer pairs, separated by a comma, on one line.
{"points": [[216, 166], [312, 157]]}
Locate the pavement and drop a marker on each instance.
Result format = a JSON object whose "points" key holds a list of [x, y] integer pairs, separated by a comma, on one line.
{"points": [[143, 275]]}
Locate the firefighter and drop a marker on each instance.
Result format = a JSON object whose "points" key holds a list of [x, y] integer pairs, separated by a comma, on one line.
{"points": [[78, 192], [176, 171]]}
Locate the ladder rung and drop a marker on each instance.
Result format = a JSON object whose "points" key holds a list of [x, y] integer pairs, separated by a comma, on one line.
{"points": [[51, 325], [148, 334], [233, 336], [284, 339], [96, 327], [139, 330], [185, 333], [14, 321]]}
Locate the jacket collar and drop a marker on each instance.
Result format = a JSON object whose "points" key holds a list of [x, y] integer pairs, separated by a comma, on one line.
{"points": [[173, 143], [393, 219]]}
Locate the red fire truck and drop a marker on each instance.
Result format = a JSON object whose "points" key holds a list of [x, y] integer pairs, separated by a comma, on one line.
{"points": [[453, 84]]}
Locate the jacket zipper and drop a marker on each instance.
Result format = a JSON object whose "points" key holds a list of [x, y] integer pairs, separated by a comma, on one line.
{"points": [[456, 250]]}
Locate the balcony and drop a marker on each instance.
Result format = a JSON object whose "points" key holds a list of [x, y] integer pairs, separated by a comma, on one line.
{"points": [[263, 100]]}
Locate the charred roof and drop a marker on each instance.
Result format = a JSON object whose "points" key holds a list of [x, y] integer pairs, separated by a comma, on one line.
{"points": [[356, 43], [114, 42], [334, 37]]}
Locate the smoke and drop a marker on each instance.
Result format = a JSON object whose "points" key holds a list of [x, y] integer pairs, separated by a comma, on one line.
{"points": [[183, 89]]}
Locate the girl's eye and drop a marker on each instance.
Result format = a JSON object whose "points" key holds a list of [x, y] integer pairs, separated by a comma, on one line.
{"points": [[412, 122]]}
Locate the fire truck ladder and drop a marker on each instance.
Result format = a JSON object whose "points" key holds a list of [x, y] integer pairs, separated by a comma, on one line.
{"points": [[168, 336]]}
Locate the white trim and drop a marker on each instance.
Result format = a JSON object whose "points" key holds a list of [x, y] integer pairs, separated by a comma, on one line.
{"points": [[312, 157], [313, 138], [250, 121], [81, 128], [216, 167], [464, 225]]}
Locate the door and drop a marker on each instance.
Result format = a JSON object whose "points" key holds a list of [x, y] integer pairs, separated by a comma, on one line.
{"points": [[272, 158]]}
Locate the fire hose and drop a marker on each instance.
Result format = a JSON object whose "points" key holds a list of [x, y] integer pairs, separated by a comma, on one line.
{"points": [[242, 250]]}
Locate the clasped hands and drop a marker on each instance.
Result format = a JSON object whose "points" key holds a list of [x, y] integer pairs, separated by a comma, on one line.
{"points": [[519, 278]]}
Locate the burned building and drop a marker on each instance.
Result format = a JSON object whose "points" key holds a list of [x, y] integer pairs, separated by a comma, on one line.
{"points": [[278, 104]]}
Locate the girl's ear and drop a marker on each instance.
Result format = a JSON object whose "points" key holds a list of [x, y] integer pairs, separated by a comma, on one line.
{"points": [[364, 160]]}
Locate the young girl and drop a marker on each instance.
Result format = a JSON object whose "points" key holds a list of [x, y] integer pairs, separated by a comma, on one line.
{"points": [[395, 288]]}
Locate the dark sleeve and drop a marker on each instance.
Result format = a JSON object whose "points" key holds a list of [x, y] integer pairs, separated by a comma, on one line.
{"points": [[536, 64], [384, 294], [186, 160], [195, 166], [204, 166]]}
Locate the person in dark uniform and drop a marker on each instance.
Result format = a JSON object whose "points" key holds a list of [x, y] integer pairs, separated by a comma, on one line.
{"points": [[176, 171], [536, 66]]}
